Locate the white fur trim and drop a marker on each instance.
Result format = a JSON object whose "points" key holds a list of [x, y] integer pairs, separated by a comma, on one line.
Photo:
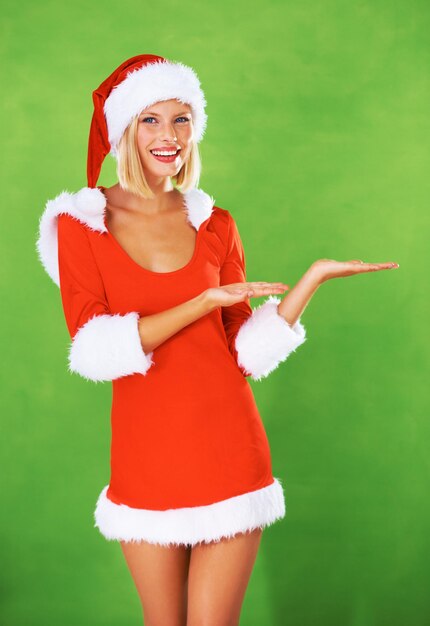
{"points": [[191, 525], [199, 206], [155, 82], [88, 205], [266, 339], [108, 347]]}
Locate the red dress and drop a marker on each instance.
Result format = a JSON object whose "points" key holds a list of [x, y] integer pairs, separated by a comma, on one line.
{"points": [[190, 459]]}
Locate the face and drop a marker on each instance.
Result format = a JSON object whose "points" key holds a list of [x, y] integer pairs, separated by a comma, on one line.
{"points": [[165, 126]]}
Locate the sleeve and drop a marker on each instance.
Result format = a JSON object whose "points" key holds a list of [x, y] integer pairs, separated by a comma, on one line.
{"points": [[259, 339], [104, 346]]}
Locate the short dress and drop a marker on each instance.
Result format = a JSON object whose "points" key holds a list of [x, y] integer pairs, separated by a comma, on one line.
{"points": [[190, 460]]}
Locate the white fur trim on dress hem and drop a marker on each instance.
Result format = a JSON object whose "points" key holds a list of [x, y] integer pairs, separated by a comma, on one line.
{"points": [[266, 339], [108, 347], [191, 525]]}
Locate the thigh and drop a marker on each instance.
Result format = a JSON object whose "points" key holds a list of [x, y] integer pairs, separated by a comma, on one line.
{"points": [[160, 574], [218, 577]]}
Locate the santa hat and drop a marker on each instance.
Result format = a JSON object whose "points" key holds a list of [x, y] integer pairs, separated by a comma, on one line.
{"points": [[133, 86]]}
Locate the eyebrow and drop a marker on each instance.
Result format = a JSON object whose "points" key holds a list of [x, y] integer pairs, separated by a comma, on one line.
{"points": [[153, 113]]}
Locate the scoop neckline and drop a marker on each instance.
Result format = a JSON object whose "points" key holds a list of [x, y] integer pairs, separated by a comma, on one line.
{"points": [[144, 269]]}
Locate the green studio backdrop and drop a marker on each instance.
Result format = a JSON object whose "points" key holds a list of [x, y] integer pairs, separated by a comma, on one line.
{"points": [[317, 142]]}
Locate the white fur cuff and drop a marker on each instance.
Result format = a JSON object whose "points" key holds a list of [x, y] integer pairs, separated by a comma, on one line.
{"points": [[266, 339], [108, 347]]}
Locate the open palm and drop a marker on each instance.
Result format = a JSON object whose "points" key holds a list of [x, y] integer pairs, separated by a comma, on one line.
{"points": [[329, 268], [237, 292]]}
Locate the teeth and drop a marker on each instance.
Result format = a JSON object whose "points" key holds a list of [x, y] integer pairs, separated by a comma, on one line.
{"points": [[164, 153]]}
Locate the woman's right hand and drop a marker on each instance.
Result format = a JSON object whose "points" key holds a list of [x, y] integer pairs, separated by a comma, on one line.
{"points": [[227, 295]]}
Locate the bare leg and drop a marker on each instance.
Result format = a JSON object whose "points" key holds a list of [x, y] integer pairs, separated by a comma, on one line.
{"points": [[160, 574], [218, 577]]}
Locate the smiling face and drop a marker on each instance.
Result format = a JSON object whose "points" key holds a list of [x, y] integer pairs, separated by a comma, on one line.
{"points": [[165, 126]]}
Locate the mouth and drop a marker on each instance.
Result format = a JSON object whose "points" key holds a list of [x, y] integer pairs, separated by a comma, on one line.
{"points": [[165, 156]]}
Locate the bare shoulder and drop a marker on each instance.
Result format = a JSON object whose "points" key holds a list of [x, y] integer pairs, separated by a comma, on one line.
{"points": [[115, 196], [118, 205]]}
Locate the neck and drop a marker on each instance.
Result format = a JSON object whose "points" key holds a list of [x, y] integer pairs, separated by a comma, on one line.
{"points": [[163, 190], [159, 185]]}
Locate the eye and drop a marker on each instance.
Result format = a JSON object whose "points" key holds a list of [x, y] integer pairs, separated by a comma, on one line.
{"points": [[145, 119]]}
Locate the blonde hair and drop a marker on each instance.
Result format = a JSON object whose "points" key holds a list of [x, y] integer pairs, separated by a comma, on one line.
{"points": [[130, 171]]}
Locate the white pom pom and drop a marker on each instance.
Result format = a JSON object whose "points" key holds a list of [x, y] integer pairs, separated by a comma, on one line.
{"points": [[90, 201]]}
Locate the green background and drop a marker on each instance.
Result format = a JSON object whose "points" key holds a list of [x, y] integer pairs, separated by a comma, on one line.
{"points": [[318, 143]]}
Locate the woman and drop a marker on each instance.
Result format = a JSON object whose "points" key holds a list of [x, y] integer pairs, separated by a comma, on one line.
{"points": [[153, 285]]}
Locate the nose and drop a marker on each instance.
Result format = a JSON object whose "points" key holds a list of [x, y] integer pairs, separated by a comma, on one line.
{"points": [[168, 133]]}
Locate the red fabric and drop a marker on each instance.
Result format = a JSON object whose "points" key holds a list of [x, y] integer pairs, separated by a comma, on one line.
{"points": [[233, 270], [98, 142], [189, 432], [82, 289]]}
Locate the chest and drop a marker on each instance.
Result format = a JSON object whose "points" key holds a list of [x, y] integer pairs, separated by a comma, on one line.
{"points": [[159, 244], [130, 284]]}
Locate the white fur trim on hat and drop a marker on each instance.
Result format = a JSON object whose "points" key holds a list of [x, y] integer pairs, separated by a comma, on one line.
{"points": [[158, 81], [88, 205], [109, 347], [191, 525], [266, 339]]}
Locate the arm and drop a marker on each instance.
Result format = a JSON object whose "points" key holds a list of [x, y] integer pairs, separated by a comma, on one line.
{"points": [[259, 339], [104, 346], [293, 305], [157, 328], [107, 346], [296, 301]]}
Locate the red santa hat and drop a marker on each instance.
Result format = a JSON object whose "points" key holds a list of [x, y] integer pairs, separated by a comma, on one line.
{"points": [[133, 86]]}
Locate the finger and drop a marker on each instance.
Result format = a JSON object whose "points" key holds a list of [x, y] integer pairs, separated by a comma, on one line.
{"points": [[256, 293], [267, 288], [264, 288], [374, 267], [265, 284], [381, 265], [365, 267]]}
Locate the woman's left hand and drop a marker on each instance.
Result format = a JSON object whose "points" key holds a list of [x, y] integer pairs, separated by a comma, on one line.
{"points": [[326, 269]]}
